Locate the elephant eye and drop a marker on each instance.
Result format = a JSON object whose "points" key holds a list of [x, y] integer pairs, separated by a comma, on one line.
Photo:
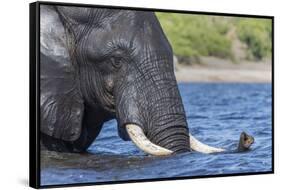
{"points": [[116, 62]]}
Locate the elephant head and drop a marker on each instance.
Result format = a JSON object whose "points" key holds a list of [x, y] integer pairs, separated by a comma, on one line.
{"points": [[110, 63]]}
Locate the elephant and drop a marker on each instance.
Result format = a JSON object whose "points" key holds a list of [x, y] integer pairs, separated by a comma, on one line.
{"points": [[98, 64]]}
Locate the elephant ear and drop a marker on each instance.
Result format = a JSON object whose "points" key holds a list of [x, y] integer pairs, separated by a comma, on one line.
{"points": [[61, 103]]}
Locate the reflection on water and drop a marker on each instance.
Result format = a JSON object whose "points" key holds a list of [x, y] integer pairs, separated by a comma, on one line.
{"points": [[217, 113]]}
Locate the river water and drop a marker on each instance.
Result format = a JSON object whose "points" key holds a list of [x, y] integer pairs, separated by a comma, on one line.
{"points": [[217, 114]]}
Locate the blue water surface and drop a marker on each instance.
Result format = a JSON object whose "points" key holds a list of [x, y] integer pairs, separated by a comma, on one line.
{"points": [[216, 115]]}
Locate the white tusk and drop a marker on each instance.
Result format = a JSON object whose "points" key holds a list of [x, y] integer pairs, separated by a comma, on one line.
{"points": [[141, 141], [198, 146]]}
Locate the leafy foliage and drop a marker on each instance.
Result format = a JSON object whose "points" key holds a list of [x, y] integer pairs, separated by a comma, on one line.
{"points": [[256, 33], [205, 35]]}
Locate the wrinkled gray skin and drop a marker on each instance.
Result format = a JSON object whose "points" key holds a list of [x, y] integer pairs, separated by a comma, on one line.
{"points": [[100, 64]]}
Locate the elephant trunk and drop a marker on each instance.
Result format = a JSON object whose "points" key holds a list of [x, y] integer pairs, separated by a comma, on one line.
{"points": [[150, 111], [150, 99], [168, 127]]}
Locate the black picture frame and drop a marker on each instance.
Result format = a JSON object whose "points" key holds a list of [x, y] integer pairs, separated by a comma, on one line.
{"points": [[34, 92]]}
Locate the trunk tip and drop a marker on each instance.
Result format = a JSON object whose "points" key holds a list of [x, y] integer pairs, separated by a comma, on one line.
{"points": [[245, 142]]}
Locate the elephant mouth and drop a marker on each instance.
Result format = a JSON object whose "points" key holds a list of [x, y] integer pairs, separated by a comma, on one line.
{"points": [[142, 142]]}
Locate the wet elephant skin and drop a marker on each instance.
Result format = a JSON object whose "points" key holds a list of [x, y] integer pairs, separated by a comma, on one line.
{"points": [[99, 64]]}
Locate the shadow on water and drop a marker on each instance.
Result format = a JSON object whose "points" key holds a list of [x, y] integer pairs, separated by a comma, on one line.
{"points": [[97, 162]]}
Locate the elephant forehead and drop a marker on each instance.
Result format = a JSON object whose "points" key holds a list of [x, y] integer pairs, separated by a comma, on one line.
{"points": [[102, 41], [75, 14], [129, 30], [96, 43]]}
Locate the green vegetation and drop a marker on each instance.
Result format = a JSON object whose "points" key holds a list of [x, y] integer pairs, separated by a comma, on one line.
{"points": [[193, 36], [256, 33]]}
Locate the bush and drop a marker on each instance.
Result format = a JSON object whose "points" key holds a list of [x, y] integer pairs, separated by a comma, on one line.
{"points": [[256, 33], [196, 35], [204, 35]]}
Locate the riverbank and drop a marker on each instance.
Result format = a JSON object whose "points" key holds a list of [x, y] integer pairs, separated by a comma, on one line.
{"points": [[219, 70]]}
